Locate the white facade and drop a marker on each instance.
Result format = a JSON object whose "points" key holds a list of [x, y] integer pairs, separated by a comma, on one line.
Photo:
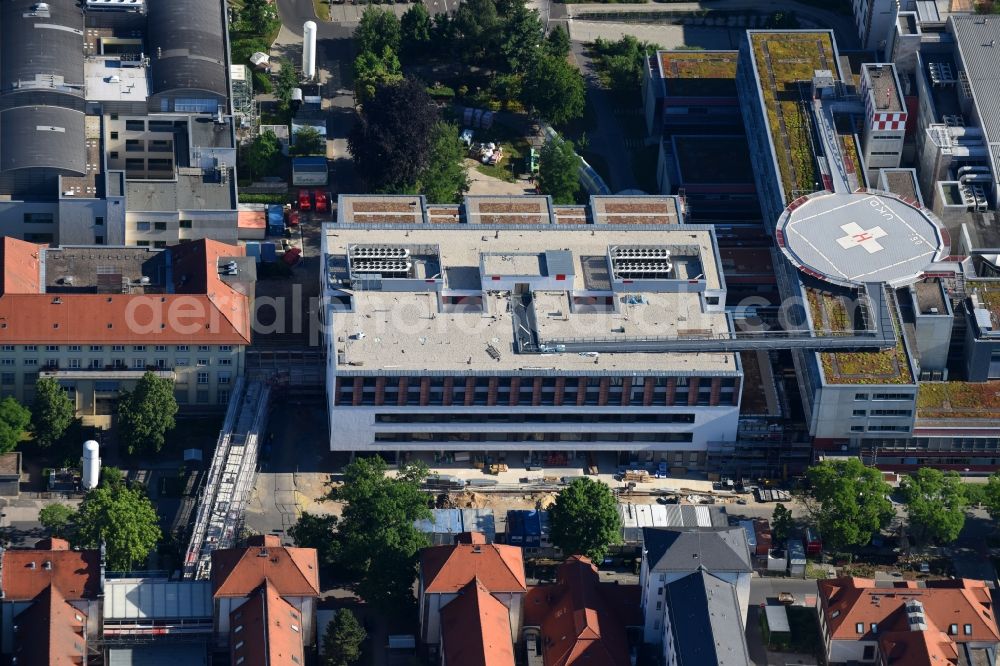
{"points": [[431, 605]]}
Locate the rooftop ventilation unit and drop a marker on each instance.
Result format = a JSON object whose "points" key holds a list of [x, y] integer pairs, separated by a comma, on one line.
{"points": [[379, 252], [382, 266], [643, 263]]}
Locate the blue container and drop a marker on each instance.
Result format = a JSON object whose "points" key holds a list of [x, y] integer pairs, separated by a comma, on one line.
{"points": [[253, 250], [268, 252]]}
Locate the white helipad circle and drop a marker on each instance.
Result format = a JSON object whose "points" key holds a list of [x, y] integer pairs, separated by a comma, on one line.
{"points": [[850, 239]]}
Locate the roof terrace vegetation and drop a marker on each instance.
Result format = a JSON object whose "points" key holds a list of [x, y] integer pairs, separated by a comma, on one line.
{"points": [[939, 400], [830, 313], [887, 366], [699, 74], [785, 62], [989, 297]]}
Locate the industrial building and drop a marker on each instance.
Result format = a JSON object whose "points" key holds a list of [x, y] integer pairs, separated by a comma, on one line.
{"points": [[115, 123], [96, 318], [507, 332]]}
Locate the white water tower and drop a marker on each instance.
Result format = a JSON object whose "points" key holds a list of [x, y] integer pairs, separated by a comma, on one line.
{"points": [[91, 464], [309, 50]]}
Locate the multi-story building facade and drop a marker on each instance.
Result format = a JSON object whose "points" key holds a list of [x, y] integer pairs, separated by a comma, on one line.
{"points": [[885, 117], [874, 20], [506, 332], [116, 125], [97, 318]]}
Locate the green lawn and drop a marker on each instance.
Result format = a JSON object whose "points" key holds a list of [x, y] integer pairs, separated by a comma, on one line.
{"points": [[512, 164]]}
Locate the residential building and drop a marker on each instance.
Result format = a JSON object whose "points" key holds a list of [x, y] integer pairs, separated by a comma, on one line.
{"points": [[265, 593], [49, 603], [460, 574], [506, 331], [703, 625], [875, 20], [116, 125], [475, 629], [100, 317], [580, 621], [673, 554], [908, 622]]}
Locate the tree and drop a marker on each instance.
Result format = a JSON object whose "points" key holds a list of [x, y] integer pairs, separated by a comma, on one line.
{"points": [[124, 520], [308, 141], [445, 179], [521, 35], [391, 141], [477, 25], [559, 171], [263, 153], [935, 504], [585, 519], [319, 532], [259, 17], [52, 412], [14, 421], [287, 81], [557, 43], [146, 413], [782, 523], [57, 519], [113, 478], [852, 501], [372, 70], [554, 88], [415, 30], [378, 29], [990, 496], [380, 542], [343, 639]]}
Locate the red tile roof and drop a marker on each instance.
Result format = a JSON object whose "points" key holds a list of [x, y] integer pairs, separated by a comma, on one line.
{"points": [[251, 219], [583, 620], [75, 573], [237, 572], [848, 602], [447, 569], [476, 629], [270, 630], [202, 309], [931, 647], [51, 632]]}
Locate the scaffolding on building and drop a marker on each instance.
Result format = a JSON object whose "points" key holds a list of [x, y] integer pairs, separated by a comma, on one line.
{"points": [[244, 105], [230, 478]]}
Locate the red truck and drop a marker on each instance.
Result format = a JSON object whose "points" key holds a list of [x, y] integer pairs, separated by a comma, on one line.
{"points": [[305, 201], [322, 201]]}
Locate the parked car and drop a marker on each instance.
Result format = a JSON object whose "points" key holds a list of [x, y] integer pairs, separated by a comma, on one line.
{"points": [[322, 201], [786, 598], [305, 201]]}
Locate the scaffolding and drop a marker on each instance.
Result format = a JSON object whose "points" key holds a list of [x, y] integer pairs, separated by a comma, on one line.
{"points": [[244, 105], [230, 478]]}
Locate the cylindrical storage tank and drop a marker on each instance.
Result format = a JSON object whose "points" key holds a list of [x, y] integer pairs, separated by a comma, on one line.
{"points": [[309, 49], [91, 464]]}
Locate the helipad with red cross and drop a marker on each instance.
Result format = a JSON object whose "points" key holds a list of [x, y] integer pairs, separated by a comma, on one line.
{"points": [[851, 239]]}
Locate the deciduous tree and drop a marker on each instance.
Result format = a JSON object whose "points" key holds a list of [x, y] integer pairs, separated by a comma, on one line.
{"points": [[559, 171], [935, 504], [782, 523], [852, 501], [391, 141], [146, 413], [445, 179], [373, 69], [286, 81], [343, 639], [415, 30], [554, 88], [262, 154], [14, 421], [378, 30], [309, 141], [585, 519], [52, 412], [57, 519], [521, 35], [124, 520], [379, 541], [319, 532], [557, 42]]}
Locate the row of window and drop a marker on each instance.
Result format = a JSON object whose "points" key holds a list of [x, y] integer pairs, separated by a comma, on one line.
{"points": [[883, 396], [114, 348], [881, 428], [658, 437], [97, 363], [223, 377], [161, 226], [883, 412], [535, 418]]}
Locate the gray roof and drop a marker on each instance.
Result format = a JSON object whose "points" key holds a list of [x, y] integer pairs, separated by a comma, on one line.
{"points": [[157, 599], [706, 622], [191, 191], [688, 548], [43, 137], [851, 239], [160, 653], [187, 46], [977, 38], [38, 43]]}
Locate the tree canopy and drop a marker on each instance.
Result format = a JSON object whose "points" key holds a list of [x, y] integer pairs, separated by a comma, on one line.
{"points": [[52, 412], [309, 141], [378, 30], [146, 413], [286, 81], [445, 179], [782, 523], [14, 421], [259, 17], [521, 36], [620, 64], [57, 519], [557, 42], [343, 639], [124, 519], [554, 88], [559, 171], [935, 505], [585, 519], [852, 501], [319, 532], [415, 30], [391, 142], [372, 69], [378, 539], [263, 153]]}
